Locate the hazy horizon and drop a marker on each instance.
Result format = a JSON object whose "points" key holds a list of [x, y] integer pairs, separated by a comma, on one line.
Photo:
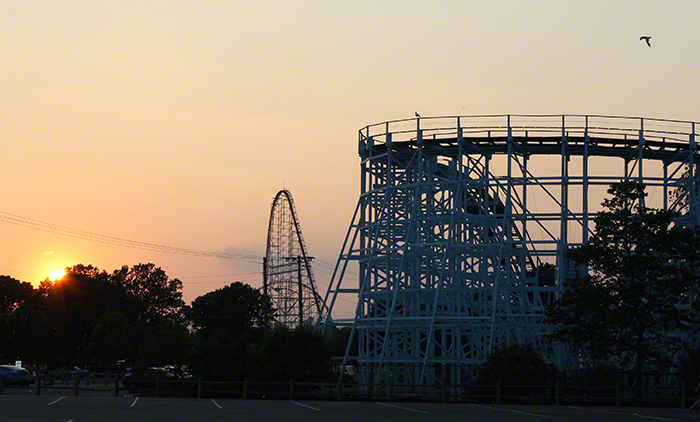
{"points": [[176, 124]]}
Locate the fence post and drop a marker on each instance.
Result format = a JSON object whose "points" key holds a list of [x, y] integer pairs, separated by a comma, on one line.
{"points": [[340, 391], [199, 387], [291, 389], [498, 392], [443, 391], [557, 394], [117, 380], [77, 384], [157, 384], [37, 380], [683, 398], [390, 389], [618, 396], [245, 388]]}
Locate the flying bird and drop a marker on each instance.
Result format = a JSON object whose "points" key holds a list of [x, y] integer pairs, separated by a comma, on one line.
{"points": [[646, 38], [417, 115]]}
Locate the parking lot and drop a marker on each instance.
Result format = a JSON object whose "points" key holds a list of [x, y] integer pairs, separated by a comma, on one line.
{"points": [[20, 405]]}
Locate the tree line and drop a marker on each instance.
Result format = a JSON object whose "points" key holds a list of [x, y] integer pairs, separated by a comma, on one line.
{"points": [[136, 316], [632, 304]]}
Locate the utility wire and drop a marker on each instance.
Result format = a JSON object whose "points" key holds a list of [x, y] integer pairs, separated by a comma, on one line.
{"points": [[18, 220], [116, 241]]}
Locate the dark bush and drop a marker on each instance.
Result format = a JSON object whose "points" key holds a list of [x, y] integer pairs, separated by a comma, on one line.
{"points": [[596, 380], [301, 353], [516, 365]]}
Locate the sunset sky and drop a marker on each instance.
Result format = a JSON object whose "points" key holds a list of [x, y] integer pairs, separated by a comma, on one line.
{"points": [[176, 122]]}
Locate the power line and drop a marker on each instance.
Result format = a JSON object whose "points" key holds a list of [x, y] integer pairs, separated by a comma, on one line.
{"points": [[223, 282], [116, 241], [18, 220], [220, 275], [322, 266], [19, 272]]}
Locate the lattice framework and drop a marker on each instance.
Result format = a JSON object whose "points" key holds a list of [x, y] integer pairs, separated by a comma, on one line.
{"points": [[288, 275], [454, 224]]}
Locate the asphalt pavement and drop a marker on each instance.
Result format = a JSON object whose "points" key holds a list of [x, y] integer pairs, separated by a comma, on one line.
{"points": [[22, 406]]}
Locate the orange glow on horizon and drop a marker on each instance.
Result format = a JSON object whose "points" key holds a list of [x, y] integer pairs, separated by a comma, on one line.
{"points": [[57, 275]]}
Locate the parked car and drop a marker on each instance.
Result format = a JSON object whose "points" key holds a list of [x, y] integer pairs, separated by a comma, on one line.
{"points": [[67, 371], [16, 375], [104, 369], [349, 373], [145, 380]]}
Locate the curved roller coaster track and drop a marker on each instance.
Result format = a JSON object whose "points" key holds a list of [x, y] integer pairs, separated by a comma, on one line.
{"points": [[457, 217], [287, 273]]}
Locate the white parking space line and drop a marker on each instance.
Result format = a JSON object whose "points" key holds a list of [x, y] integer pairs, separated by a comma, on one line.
{"points": [[134, 403], [509, 410], [57, 400], [402, 407], [216, 404], [610, 412], [306, 406], [655, 417]]}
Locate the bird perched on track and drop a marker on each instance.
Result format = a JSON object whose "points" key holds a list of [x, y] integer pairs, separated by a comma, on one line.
{"points": [[417, 115], [646, 38]]}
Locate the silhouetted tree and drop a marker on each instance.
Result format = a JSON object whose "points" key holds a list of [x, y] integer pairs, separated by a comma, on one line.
{"points": [[74, 305], [222, 356], [301, 353], [547, 275], [115, 336], [338, 338], [152, 302], [170, 346], [13, 292], [644, 276], [237, 307], [28, 335], [682, 194], [150, 293], [228, 323]]}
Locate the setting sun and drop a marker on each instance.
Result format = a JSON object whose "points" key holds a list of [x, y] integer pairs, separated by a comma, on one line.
{"points": [[57, 275]]}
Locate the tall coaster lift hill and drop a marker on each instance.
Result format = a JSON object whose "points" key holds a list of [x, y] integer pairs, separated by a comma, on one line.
{"points": [[462, 223]]}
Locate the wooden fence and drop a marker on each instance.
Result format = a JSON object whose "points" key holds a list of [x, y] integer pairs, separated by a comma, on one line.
{"points": [[551, 394]]}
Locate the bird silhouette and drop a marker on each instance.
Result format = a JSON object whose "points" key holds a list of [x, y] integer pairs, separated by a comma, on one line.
{"points": [[646, 38], [417, 115]]}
